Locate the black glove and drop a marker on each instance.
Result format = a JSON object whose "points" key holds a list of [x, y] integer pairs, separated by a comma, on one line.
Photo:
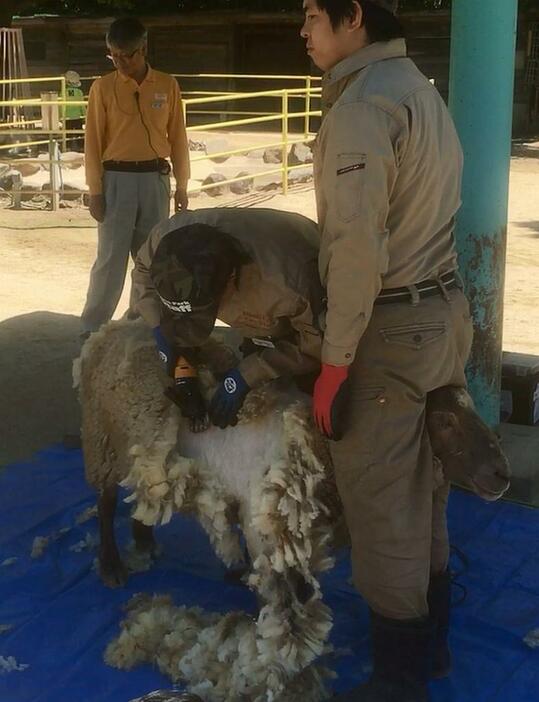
{"points": [[185, 393], [228, 399]]}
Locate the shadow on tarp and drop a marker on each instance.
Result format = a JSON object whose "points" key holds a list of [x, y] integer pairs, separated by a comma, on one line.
{"points": [[62, 617]]}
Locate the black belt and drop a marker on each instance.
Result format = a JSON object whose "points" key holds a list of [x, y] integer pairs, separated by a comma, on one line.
{"points": [[427, 288], [156, 165]]}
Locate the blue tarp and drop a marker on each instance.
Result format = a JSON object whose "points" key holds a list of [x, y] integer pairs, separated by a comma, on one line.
{"points": [[62, 617]]}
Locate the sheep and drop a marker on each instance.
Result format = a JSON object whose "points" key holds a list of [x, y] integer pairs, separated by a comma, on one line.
{"points": [[131, 429], [272, 474], [131, 432]]}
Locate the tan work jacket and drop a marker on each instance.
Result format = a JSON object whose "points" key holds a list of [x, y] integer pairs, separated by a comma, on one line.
{"points": [[388, 168], [278, 295]]}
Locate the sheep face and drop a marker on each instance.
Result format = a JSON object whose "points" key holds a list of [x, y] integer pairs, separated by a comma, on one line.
{"points": [[468, 449]]}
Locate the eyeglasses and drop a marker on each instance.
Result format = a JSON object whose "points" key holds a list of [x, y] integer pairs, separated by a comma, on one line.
{"points": [[123, 56]]}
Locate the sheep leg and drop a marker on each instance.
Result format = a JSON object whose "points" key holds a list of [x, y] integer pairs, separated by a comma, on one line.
{"points": [[143, 537], [111, 569], [236, 574], [300, 587]]}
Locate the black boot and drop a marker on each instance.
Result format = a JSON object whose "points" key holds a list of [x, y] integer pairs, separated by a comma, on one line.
{"points": [[401, 657], [439, 599]]}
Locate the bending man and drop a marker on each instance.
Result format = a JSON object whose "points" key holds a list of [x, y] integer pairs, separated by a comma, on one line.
{"points": [[254, 269]]}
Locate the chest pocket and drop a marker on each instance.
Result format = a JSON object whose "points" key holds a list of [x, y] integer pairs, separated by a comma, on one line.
{"points": [[349, 180], [156, 111]]}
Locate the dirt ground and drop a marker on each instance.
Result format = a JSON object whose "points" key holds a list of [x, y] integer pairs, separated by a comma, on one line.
{"points": [[46, 259]]}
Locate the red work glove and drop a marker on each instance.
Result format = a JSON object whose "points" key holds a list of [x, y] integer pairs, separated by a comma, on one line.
{"points": [[330, 400]]}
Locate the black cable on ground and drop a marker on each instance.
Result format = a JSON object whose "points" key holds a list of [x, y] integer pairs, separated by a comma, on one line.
{"points": [[465, 564]]}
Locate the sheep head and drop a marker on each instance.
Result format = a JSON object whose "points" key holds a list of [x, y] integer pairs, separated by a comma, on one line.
{"points": [[469, 450]]}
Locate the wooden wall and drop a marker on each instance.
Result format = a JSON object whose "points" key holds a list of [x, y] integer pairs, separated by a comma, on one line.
{"points": [[202, 43], [211, 42]]}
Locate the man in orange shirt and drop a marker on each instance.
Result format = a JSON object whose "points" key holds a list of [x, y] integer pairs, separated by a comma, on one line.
{"points": [[134, 123]]}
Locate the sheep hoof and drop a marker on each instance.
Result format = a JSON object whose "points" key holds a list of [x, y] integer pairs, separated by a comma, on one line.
{"points": [[150, 549], [144, 539], [113, 574], [138, 561], [235, 576]]}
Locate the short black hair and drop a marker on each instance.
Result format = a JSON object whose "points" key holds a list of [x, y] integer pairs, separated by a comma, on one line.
{"points": [[125, 32], [380, 24]]}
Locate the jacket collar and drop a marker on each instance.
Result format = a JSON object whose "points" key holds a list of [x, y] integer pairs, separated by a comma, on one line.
{"points": [[335, 81], [379, 51]]}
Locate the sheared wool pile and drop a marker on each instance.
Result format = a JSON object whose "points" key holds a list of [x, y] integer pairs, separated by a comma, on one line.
{"points": [[291, 503], [41, 543], [271, 475], [221, 657], [11, 665]]}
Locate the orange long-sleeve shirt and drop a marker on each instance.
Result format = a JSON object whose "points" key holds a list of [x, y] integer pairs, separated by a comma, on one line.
{"points": [[130, 122]]}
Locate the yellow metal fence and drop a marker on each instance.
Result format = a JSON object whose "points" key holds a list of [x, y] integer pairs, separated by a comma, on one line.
{"points": [[291, 111]]}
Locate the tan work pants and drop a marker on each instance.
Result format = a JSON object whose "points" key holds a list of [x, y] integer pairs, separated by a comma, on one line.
{"points": [[394, 499]]}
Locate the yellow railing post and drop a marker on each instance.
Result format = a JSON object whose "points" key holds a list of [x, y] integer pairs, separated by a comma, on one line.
{"points": [[63, 112], [307, 130], [285, 142]]}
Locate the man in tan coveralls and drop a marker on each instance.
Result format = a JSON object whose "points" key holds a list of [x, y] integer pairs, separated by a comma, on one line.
{"points": [[254, 269], [387, 175]]}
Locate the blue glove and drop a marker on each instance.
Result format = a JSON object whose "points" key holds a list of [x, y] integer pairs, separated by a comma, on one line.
{"points": [[166, 355], [228, 399]]}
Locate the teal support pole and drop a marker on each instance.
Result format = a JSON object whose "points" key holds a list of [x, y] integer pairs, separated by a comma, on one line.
{"points": [[483, 44]]}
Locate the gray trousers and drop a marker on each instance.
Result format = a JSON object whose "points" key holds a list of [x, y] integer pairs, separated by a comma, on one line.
{"points": [[134, 204]]}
